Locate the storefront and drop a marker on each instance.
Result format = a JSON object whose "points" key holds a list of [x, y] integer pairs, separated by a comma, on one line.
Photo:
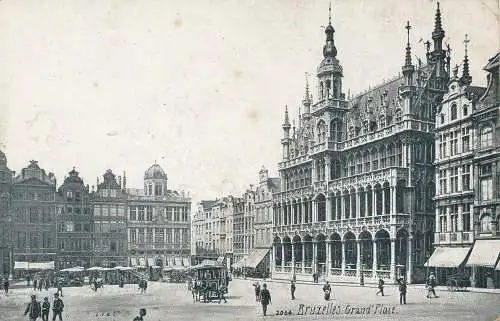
{"points": [[447, 261], [483, 261]]}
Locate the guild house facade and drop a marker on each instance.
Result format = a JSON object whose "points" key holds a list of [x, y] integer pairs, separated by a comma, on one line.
{"points": [[159, 223], [356, 200]]}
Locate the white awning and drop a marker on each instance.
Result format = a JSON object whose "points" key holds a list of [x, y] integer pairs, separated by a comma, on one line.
{"points": [[133, 261], [498, 266], [20, 265], [170, 261], [142, 261], [448, 257], [34, 265], [255, 257], [185, 261], [484, 253], [151, 262], [178, 261]]}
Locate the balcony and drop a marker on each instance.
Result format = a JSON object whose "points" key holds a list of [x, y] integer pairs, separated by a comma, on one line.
{"points": [[329, 103], [295, 161], [328, 145], [453, 238]]}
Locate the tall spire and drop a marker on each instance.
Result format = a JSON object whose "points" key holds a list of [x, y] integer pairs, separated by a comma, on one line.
{"points": [[438, 32], [307, 96], [286, 123], [408, 48], [466, 78]]}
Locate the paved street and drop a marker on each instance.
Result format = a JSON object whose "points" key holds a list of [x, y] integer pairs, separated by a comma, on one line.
{"points": [[173, 302]]}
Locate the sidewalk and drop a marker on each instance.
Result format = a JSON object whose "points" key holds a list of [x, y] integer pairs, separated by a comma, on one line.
{"points": [[369, 285]]}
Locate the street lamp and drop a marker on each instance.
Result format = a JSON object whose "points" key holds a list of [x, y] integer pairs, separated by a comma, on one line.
{"points": [[361, 276]]}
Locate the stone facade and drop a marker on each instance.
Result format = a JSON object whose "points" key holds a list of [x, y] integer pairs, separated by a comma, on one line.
{"points": [[6, 244], [357, 174]]}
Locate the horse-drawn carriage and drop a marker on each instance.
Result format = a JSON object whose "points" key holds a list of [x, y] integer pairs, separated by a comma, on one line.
{"points": [[210, 277], [458, 282]]}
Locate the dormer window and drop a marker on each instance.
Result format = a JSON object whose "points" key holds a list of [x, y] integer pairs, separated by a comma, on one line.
{"points": [[453, 112]]}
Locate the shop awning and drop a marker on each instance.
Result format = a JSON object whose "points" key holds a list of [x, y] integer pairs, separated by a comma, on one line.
{"points": [[133, 261], [151, 262], [178, 261], [142, 261], [34, 265], [170, 261], [484, 253], [448, 257], [255, 257]]}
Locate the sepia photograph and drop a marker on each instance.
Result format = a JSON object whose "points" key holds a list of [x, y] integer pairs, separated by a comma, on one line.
{"points": [[249, 160]]}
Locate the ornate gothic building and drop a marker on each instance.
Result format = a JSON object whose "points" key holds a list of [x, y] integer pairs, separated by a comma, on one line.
{"points": [[357, 178]]}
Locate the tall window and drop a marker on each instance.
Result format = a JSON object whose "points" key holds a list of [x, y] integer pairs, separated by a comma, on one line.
{"points": [[454, 218], [465, 177], [486, 188], [465, 110], [453, 112], [133, 213], [149, 213], [321, 131], [453, 143], [454, 179], [443, 222], [442, 145], [466, 217], [141, 213], [359, 163], [443, 184], [398, 115], [486, 137], [374, 159], [465, 140]]}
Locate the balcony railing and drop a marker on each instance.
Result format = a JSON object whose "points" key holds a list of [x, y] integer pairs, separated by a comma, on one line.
{"points": [[453, 237]]}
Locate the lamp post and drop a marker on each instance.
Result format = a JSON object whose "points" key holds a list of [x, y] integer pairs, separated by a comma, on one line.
{"points": [[361, 276]]}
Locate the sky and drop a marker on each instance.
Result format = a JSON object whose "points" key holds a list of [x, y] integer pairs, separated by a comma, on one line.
{"points": [[199, 87]]}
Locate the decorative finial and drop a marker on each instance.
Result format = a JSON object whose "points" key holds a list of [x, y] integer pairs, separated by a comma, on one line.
{"points": [[330, 14], [307, 85], [408, 48], [466, 77], [466, 42], [428, 46], [408, 27]]}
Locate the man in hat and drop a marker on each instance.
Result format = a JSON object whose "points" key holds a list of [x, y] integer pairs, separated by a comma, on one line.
{"points": [[33, 309], [265, 298], [402, 291], [142, 313], [57, 307], [292, 289], [431, 284], [45, 309]]}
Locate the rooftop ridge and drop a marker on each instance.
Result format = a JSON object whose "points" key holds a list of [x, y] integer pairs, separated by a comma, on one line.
{"points": [[378, 86]]}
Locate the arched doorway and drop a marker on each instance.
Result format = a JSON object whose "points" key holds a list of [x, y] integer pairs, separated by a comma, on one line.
{"points": [[308, 253], [287, 249], [383, 250], [401, 253], [297, 249], [351, 253], [277, 253], [321, 254], [366, 250], [336, 253]]}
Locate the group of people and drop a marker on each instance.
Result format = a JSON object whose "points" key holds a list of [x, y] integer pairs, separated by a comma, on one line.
{"points": [[263, 296], [5, 284], [35, 309]]}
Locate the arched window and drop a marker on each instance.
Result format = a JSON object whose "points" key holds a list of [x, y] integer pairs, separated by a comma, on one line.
{"points": [[465, 110], [321, 131], [453, 112], [486, 223], [398, 115], [486, 136], [321, 90], [336, 130]]}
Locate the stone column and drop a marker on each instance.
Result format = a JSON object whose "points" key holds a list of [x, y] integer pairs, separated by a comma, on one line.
{"points": [[303, 257], [357, 213], [315, 256], [374, 267], [303, 216], [358, 258], [393, 259], [393, 201], [293, 257], [343, 258], [448, 219], [293, 214], [342, 206], [460, 223], [282, 257], [328, 257], [366, 204], [383, 201], [374, 202], [314, 211], [328, 206], [409, 268], [165, 235]]}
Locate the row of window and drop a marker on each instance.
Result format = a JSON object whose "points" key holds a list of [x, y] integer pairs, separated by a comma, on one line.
{"points": [[34, 215], [449, 218], [158, 235], [36, 239], [145, 213], [74, 210], [448, 143], [33, 196], [109, 210], [454, 113], [455, 179], [75, 227]]}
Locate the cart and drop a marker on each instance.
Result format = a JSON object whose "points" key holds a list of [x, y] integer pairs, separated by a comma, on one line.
{"points": [[210, 276]]}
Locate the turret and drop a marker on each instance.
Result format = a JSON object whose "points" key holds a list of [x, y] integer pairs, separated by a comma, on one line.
{"points": [[408, 90], [466, 78], [285, 142]]}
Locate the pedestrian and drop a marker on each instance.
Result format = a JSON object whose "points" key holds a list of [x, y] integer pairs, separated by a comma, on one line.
{"points": [[380, 287], [33, 309], [45, 309], [142, 313], [47, 283], [257, 291], [402, 291], [6, 286], [194, 290], [327, 289], [431, 284], [35, 285], [40, 284], [265, 298], [292, 289], [59, 288], [221, 291], [57, 307]]}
